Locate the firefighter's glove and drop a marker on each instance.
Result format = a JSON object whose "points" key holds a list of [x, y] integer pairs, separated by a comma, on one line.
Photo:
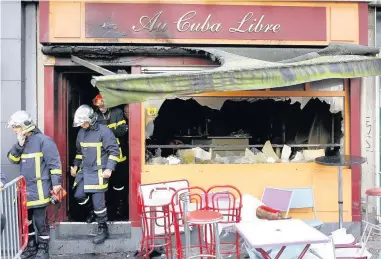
{"points": [[21, 139], [107, 173], [73, 171], [57, 188]]}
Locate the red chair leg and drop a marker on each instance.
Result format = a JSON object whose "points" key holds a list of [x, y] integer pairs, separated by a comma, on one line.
{"points": [[238, 246]]}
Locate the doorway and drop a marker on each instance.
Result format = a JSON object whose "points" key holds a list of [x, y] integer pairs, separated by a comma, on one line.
{"points": [[79, 91]]}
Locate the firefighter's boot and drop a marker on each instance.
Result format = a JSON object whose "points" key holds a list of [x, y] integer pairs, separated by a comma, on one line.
{"points": [[31, 249], [43, 251], [102, 233]]}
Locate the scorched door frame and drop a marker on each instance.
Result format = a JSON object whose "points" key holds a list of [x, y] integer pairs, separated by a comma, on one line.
{"points": [[55, 119]]}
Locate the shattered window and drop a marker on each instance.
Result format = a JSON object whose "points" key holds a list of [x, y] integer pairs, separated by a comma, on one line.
{"points": [[243, 130]]}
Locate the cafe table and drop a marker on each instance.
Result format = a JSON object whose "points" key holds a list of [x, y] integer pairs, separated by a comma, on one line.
{"points": [[340, 161], [264, 235]]}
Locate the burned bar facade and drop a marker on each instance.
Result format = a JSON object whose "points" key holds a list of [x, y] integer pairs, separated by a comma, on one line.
{"points": [[250, 139]]}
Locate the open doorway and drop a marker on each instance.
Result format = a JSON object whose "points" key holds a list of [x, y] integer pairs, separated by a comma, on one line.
{"points": [[79, 92]]}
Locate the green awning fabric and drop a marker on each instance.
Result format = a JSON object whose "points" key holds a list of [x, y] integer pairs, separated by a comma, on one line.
{"points": [[241, 73]]}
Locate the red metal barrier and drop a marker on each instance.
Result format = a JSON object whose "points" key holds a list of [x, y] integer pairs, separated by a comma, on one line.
{"points": [[13, 199]]}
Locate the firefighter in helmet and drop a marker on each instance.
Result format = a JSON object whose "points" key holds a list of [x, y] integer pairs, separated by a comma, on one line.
{"points": [[113, 118], [40, 164], [97, 154]]}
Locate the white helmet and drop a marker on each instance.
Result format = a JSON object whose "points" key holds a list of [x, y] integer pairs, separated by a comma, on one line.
{"points": [[84, 114], [20, 119]]}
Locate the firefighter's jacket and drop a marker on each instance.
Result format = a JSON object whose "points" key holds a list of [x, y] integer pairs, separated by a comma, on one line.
{"points": [[97, 150], [114, 119], [40, 164]]}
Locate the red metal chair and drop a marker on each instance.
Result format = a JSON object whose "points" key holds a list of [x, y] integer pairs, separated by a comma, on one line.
{"points": [[373, 192], [196, 203], [152, 212], [227, 200]]}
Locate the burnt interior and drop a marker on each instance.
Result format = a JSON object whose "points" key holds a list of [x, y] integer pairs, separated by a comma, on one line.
{"points": [[281, 122], [80, 91]]}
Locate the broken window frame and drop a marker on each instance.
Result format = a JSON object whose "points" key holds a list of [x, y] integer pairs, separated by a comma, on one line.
{"points": [[271, 93]]}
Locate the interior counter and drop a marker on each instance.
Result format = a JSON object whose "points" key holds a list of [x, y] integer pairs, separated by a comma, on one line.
{"points": [[252, 178]]}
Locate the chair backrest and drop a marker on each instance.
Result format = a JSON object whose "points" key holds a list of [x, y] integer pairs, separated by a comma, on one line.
{"points": [[195, 195], [226, 199], [302, 198], [276, 198]]}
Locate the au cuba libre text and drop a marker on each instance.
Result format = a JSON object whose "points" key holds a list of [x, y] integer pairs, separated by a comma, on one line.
{"points": [[190, 22]]}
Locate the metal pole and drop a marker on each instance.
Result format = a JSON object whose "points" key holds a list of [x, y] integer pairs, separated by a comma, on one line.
{"points": [[377, 124], [340, 197], [184, 199], [217, 240]]}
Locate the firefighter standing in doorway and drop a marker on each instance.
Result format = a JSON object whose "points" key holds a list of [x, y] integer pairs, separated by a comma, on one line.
{"points": [[97, 154], [40, 164], [114, 119]]}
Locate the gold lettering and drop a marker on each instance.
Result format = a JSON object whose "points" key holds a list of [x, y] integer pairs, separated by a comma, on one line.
{"points": [[151, 24]]}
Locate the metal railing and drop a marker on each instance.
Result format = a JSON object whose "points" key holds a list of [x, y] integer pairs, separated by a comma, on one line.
{"points": [[13, 208]]}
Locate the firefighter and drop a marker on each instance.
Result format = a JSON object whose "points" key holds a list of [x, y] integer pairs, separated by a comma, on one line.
{"points": [[126, 111], [97, 154], [114, 119], [40, 164]]}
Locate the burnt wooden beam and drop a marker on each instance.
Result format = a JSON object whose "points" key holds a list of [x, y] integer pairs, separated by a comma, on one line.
{"points": [[92, 66]]}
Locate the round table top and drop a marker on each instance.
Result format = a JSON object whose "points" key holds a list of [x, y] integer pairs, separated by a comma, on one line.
{"points": [[340, 160]]}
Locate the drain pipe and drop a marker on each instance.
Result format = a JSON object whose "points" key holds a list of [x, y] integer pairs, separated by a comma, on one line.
{"points": [[377, 146], [377, 126]]}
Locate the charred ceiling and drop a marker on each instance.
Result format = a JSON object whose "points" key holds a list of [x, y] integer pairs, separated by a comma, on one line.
{"points": [[283, 55], [114, 52]]}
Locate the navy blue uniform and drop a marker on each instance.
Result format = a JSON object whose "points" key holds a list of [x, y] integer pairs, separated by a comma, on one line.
{"points": [[40, 164], [97, 150], [114, 119]]}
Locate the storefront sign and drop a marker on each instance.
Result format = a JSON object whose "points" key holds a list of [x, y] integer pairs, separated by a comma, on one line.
{"points": [[189, 21]]}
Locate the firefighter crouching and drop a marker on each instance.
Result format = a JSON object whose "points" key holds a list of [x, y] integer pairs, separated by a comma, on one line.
{"points": [[97, 154], [113, 118], [40, 164]]}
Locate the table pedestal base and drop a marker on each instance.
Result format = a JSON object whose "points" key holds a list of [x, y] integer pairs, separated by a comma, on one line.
{"points": [[267, 256]]}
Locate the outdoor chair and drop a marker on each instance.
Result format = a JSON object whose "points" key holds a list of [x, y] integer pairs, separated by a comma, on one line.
{"points": [[276, 198], [279, 199], [303, 198], [195, 202], [227, 200]]}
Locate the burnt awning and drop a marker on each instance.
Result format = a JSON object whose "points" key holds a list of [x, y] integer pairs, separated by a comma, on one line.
{"points": [[241, 73]]}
